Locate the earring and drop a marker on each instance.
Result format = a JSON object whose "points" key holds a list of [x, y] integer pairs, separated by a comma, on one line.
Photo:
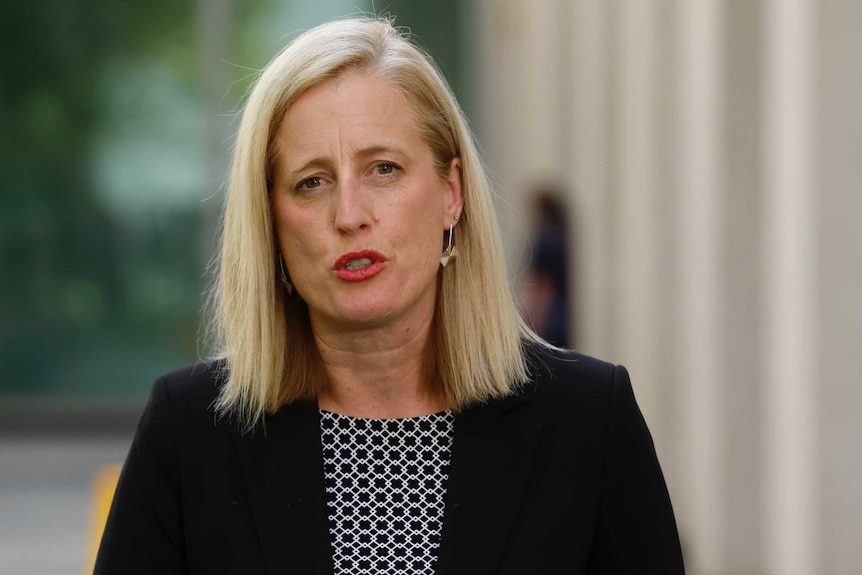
{"points": [[284, 280], [451, 251]]}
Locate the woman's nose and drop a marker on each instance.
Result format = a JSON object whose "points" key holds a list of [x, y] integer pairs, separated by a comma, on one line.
{"points": [[352, 207]]}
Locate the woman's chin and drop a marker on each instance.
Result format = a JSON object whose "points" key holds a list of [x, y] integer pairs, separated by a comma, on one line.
{"points": [[354, 317]]}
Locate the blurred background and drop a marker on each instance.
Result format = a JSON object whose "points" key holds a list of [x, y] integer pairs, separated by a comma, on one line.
{"points": [[678, 182]]}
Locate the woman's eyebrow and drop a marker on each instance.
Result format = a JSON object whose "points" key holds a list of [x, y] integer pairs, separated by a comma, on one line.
{"points": [[325, 162], [314, 163], [378, 149]]}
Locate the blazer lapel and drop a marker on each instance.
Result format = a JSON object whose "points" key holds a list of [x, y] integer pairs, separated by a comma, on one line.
{"points": [[491, 461], [283, 473]]}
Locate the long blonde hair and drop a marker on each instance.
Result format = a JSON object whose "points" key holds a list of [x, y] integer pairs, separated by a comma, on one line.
{"points": [[262, 333]]}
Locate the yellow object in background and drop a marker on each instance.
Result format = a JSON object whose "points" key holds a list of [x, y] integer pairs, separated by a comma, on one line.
{"points": [[104, 484]]}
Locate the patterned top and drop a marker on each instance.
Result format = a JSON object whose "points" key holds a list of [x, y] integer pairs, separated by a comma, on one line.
{"points": [[385, 481]]}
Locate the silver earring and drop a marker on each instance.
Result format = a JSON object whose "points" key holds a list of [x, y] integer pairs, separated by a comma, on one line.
{"points": [[287, 285], [451, 251]]}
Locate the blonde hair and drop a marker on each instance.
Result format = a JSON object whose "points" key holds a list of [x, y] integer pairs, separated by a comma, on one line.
{"points": [[263, 334]]}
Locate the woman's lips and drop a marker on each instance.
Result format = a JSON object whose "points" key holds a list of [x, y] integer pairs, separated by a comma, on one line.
{"points": [[359, 266]]}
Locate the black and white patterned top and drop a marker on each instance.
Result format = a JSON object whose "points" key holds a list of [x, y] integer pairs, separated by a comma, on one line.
{"points": [[385, 481]]}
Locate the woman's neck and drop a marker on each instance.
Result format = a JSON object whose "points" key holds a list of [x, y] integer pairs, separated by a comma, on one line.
{"points": [[381, 373]]}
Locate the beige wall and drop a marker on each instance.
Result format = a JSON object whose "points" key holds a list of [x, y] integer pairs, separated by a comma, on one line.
{"points": [[712, 153], [839, 283]]}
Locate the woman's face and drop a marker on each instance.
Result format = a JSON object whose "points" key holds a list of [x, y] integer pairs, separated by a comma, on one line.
{"points": [[359, 208]]}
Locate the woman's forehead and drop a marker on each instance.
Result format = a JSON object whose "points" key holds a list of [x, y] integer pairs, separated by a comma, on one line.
{"points": [[356, 112]]}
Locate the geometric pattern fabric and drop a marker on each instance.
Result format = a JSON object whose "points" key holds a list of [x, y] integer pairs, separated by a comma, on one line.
{"points": [[385, 484]]}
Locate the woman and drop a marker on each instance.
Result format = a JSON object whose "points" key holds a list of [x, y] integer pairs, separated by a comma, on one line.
{"points": [[379, 407]]}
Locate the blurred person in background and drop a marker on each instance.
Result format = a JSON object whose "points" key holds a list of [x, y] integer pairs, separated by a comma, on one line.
{"points": [[377, 405], [545, 286]]}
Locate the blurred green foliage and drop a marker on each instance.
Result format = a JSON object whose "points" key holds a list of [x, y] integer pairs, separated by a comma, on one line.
{"points": [[68, 315]]}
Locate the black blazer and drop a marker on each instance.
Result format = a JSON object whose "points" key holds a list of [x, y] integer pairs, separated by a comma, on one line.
{"points": [[560, 478]]}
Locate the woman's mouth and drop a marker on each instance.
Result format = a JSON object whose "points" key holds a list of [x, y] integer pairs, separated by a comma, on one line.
{"points": [[359, 266]]}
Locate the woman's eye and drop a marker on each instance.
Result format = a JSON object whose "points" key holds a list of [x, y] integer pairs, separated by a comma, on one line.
{"points": [[309, 183], [387, 168]]}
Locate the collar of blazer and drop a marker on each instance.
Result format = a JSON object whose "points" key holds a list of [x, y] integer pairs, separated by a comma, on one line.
{"points": [[492, 455]]}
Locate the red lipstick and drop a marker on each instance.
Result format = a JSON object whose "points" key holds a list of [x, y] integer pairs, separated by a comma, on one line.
{"points": [[359, 266]]}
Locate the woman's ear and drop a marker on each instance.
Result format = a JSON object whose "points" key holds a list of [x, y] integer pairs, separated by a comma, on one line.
{"points": [[454, 189]]}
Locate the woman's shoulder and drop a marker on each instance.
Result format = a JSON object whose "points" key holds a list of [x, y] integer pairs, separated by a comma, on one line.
{"points": [[188, 395], [191, 386], [563, 364], [569, 380], [194, 383]]}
